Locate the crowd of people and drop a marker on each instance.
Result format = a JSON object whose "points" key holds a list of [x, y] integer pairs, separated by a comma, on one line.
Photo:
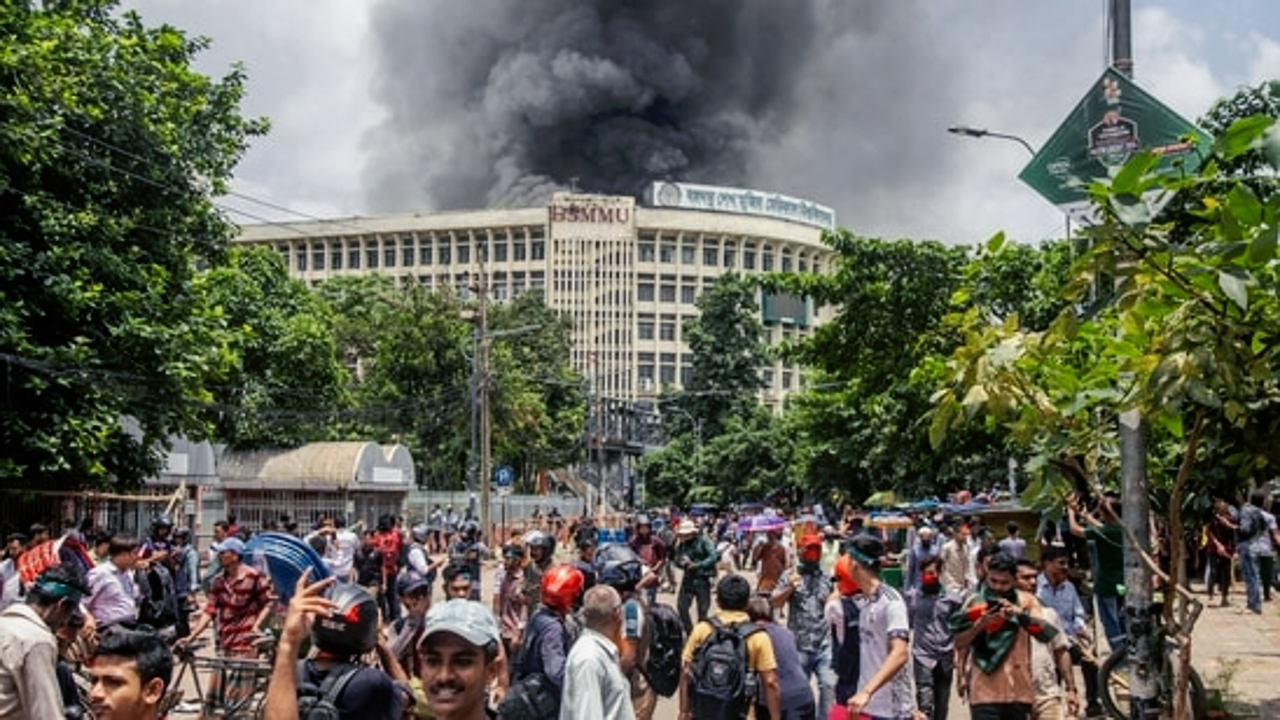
{"points": [[761, 618]]}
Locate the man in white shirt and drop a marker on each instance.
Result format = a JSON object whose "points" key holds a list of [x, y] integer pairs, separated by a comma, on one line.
{"points": [[342, 550], [594, 686], [113, 598], [29, 649], [957, 569]]}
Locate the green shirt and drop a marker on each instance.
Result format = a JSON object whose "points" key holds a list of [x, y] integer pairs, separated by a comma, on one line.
{"points": [[1106, 544], [703, 554]]}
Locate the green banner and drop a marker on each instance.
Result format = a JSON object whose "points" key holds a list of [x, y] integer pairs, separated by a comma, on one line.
{"points": [[1113, 122]]}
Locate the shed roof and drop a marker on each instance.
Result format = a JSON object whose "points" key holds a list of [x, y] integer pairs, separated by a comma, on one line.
{"points": [[325, 465]]}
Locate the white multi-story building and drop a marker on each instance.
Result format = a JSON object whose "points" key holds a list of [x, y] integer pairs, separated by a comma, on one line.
{"points": [[627, 275]]}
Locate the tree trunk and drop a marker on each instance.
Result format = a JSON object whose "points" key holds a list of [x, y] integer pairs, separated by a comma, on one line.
{"points": [[1174, 583]]}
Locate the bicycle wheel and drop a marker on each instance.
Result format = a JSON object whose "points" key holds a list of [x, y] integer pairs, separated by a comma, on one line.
{"points": [[1114, 681]]}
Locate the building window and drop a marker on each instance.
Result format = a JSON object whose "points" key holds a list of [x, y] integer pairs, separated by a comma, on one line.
{"points": [[786, 379], [424, 251], [667, 375], [709, 255], [749, 257], [539, 250], [300, 257], [768, 260], [406, 253], [646, 252], [371, 255], [353, 257], [317, 257], [668, 293], [688, 294], [667, 253], [668, 330], [768, 378], [686, 375], [500, 252], [518, 250], [389, 254], [786, 261], [804, 265], [687, 254], [645, 371], [464, 253], [335, 256], [644, 292], [728, 257], [645, 329]]}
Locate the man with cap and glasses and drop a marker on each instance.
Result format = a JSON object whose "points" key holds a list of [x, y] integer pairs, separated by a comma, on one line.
{"points": [[697, 557], [29, 648]]}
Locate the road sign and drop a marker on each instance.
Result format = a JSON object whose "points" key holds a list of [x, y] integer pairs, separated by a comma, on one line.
{"points": [[1113, 122], [504, 478]]}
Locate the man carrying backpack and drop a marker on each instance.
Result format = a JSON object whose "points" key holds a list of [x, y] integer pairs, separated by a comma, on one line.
{"points": [[621, 569], [725, 658], [884, 689], [539, 680], [343, 622], [697, 557]]}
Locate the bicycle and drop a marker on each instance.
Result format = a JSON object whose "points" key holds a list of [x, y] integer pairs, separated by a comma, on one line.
{"points": [[1114, 675], [249, 676]]}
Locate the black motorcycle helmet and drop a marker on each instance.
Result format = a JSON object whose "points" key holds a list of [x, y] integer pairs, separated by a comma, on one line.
{"points": [[618, 566], [161, 520], [352, 628], [546, 543], [470, 531]]}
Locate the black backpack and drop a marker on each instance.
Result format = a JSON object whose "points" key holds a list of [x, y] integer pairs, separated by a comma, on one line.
{"points": [[532, 697], [666, 643], [321, 703], [723, 686], [159, 606]]}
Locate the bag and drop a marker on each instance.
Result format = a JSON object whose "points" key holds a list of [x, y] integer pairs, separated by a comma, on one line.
{"points": [[321, 703], [666, 643], [723, 686], [532, 697], [159, 605]]}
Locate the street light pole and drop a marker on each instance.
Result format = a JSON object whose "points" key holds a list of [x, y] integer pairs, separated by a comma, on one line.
{"points": [[984, 133]]}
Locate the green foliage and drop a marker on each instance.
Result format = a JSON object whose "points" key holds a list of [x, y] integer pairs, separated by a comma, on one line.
{"points": [[112, 146], [287, 380]]}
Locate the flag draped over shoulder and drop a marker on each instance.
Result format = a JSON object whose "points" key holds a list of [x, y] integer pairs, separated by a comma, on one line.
{"points": [[996, 640]]}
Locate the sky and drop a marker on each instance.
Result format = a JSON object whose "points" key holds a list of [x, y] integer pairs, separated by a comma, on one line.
{"points": [[397, 106]]}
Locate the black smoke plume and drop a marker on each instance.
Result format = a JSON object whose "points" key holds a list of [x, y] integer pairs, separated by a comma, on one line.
{"points": [[500, 102]]}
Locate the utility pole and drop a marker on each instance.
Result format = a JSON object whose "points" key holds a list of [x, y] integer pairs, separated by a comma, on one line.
{"points": [[1135, 501], [482, 358]]}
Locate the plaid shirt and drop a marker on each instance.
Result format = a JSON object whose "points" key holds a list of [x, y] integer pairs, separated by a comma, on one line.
{"points": [[235, 604]]}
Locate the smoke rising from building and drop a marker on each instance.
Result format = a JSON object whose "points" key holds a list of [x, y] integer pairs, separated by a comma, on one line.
{"points": [[500, 102]]}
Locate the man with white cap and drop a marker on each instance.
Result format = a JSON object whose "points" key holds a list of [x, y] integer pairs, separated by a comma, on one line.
{"points": [[697, 557], [927, 545], [460, 660]]}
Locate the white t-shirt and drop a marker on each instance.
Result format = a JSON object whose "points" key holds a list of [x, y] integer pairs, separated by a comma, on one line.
{"points": [[342, 553], [884, 617]]}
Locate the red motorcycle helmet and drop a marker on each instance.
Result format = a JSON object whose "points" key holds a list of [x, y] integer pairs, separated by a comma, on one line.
{"points": [[561, 587], [845, 581]]}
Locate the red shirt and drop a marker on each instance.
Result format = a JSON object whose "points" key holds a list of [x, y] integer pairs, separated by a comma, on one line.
{"points": [[388, 543], [235, 604]]}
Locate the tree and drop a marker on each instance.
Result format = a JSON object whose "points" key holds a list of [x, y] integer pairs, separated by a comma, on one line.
{"points": [[727, 342], [113, 148], [286, 382]]}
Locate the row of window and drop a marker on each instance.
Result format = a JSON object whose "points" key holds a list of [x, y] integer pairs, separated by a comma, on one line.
{"points": [[715, 256], [666, 375]]}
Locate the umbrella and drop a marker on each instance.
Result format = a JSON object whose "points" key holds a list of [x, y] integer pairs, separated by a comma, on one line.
{"points": [[766, 523], [884, 498]]}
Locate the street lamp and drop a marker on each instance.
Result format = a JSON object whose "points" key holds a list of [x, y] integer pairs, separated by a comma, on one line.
{"points": [[984, 133]]}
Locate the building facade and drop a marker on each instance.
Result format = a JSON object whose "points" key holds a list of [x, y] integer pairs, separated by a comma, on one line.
{"points": [[626, 274]]}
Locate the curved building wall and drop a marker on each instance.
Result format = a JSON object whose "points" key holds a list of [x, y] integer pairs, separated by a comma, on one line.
{"points": [[626, 275]]}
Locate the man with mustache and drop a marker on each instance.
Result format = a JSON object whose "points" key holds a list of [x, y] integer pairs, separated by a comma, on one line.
{"points": [[459, 651]]}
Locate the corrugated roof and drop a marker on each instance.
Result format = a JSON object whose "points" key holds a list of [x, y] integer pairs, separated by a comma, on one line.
{"points": [[328, 463]]}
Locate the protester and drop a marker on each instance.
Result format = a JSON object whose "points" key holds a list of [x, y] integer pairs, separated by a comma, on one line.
{"points": [[928, 544], [622, 569], [459, 651], [932, 651], [510, 605], [1253, 539], [542, 552], [1055, 591], [388, 542], [769, 559], [131, 673], [1013, 544], [805, 591], [114, 594], [1107, 538], [958, 573], [652, 552], [594, 687], [795, 695], [1050, 662], [342, 550], [547, 638], [458, 582], [29, 648], [696, 556], [732, 594], [885, 681], [186, 578], [469, 551], [415, 592], [844, 618], [368, 565], [994, 630]]}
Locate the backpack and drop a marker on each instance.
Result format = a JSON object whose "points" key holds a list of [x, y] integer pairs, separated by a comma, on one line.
{"points": [[723, 686], [159, 605], [321, 703], [530, 695], [666, 642]]}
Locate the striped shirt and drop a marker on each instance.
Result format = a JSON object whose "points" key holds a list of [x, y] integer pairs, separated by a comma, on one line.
{"points": [[236, 603]]}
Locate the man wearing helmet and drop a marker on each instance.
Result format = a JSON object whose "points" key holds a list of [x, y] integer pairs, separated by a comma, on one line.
{"points": [[652, 552], [542, 552], [418, 565], [546, 641], [469, 551], [343, 624]]}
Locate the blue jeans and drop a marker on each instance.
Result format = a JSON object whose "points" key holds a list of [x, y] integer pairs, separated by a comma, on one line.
{"points": [[1252, 580], [1109, 615], [819, 663]]}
